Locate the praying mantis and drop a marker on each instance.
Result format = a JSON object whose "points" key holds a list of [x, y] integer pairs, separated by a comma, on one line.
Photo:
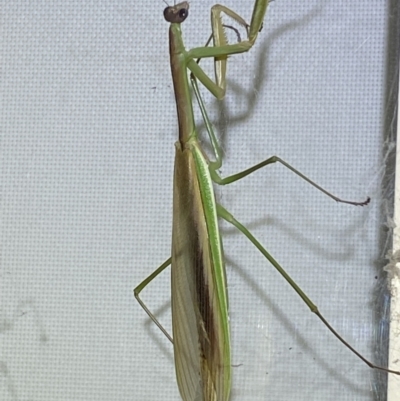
{"points": [[200, 323]]}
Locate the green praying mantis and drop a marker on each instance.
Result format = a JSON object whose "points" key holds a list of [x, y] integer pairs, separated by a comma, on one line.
{"points": [[200, 323]]}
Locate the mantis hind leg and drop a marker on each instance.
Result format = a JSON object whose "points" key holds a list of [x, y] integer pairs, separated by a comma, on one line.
{"points": [[224, 214], [142, 285]]}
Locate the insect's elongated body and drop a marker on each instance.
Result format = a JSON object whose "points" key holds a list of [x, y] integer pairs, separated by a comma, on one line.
{"points": [[198, 284], [200, 321], [199, 296]]}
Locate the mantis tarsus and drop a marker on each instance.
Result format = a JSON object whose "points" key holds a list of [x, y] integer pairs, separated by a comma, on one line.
{"points": [[199, 295]]}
